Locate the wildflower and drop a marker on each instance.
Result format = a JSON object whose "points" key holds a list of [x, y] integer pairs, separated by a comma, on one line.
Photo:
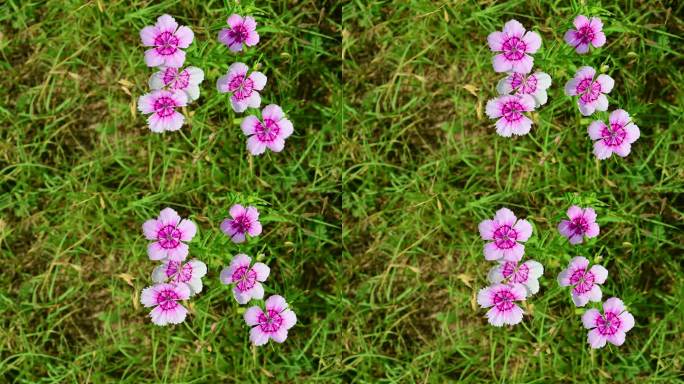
{"points": [[592, 93], [167, 39], [240, 31], [534, 85], [611, 326], [164, 298], [502, 297], [582, 223], [171, 78], [243, 222], [269, 133], [509, 110], [515, 44], [505, 233], [272, 323], [527, 274], [585, 282], [244, 89], [170, 232], [247, 279], [175, 272], [616, 138], [588, 32], [162, 105]]}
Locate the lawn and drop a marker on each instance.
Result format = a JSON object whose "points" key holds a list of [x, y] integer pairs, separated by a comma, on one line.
{"points": [[370, 213]]}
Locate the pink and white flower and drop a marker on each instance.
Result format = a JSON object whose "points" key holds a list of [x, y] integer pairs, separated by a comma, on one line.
{"points": [[243, 221], [582, 223], [165, 300], [187, 80], [162, 105], [176, 272], [610, 327], [273, 323], [169, 233], [614, 138], [534, 85], [592, 92], [584, 280], [510, 109], [247, 279], [505, 232], [167, 39], [244, 89], [588, 32], [240, 31], [510, 272], [502, 298], [269, 133], [515, 44]]}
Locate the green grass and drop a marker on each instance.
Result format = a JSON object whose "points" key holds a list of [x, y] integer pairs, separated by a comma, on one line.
{"points": [[370, 213]]}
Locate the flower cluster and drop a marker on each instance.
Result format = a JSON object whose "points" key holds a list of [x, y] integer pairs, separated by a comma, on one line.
{"points": [[591, 90], [511, 280], [586, 281], [175, 280], [244, 87], [172, 87], [519, 91]]}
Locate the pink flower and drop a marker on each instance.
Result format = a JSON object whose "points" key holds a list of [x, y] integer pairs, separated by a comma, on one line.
{"points": [[162, 106], [611, 326], [269, 133], [164, 298], [502, 298], [169, 231], [505, 233], [616, 138], [592, 93], [582, 223], [509, 110], [244, 221], [247, 280], [244, 89], [534, 85], [515, 44], [527, 274], [175, 272], [272, 323], [167, 39], [587, 32], [584, 281], [187, 80], [240, 31]]}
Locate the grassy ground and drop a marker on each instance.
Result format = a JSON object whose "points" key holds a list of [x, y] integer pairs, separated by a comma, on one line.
{"points": [[425, 166], [371, 232]]}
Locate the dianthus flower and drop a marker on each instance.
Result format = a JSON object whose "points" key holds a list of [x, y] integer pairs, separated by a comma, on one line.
{"points": [[515, 44], [588, 32], [505, 232], [272, 323], [187, 80], [176, 272], [244, 89], [534, 85], [247, 279], [240, 31], [614, 138], [167, 39], [612, 326], [510, 272], [162, 105], [164, 298], [243, 221], [592, 92], [582, 224], [510, 109], [169, 233], [502, 298], [269, 133], [583, 280]]}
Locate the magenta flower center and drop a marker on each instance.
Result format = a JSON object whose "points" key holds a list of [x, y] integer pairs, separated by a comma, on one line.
{"points": [[505, 236], [267, 131], [241, 87], [239, 33], [167, 299], [582, 280], [241, 224], [609, 324], [511, 111], [245, 278], [183, 275], [169, 237], [588, 90], [164, 106], [579, 225], [175, 80], [503, 300], [166, 43], [518, 274], [613, 136], [524, 85], [585, 34], [270, 322], [514, 48]]}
